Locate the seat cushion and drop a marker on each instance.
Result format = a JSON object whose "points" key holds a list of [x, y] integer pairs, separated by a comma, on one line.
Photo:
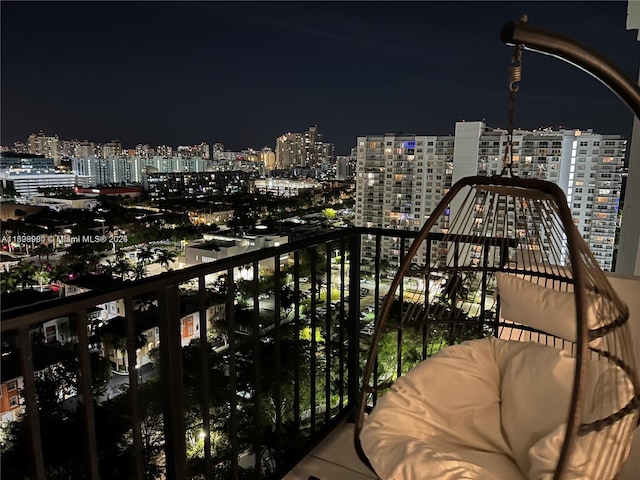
{"points": [[536, 393], [446, 406], [493, 408]]}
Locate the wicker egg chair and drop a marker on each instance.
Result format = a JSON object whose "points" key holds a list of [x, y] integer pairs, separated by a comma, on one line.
{"points": [[524, 367]]}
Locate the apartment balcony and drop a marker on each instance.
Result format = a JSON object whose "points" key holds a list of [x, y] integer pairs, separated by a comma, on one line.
{"points": [[265, 389]]}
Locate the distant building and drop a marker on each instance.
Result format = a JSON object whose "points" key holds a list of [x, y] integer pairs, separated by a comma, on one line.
{"points": [[268, 158], [25, 162], [289, 150], [346, 167], [27, 184], [201, 150], [76, 148], [129, 170], [164, 151], [47, 145], [112, 149], [305, 150], [63, 203], [401, 178], [285, 188], [199, 184], [217, 247], [210, 214], [110, 191]]}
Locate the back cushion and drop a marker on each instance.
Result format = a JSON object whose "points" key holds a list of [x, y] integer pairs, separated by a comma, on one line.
{"points": [[536, 394], [542, 308]]}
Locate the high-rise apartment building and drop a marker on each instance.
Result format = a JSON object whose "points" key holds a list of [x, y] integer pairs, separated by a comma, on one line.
{"points": [[346, 167], [305, 150], [312, 147], [268, 157], [164, 150], [47, 145], [289, 151], [112, 149], [401, 178], [199, 150], [195, 184], [76, 148]]}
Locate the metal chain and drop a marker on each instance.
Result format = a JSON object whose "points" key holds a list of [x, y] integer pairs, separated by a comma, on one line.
{"points": [[515, 75]]}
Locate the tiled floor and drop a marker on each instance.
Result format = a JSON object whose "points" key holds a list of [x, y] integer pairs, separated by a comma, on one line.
{"points": [[334, 459]]}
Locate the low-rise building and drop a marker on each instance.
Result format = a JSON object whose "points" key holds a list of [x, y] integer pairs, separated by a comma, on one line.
{"points": [[216, 247]]}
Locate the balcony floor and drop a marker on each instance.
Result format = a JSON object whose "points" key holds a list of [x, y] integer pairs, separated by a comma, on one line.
{"points": [[334, 458]]}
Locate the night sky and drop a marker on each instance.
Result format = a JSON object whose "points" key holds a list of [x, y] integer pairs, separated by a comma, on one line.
{"points": [[243, 73]]}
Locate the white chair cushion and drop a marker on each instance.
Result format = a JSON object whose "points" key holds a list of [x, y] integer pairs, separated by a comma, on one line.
{"points": [[446, 406], [493, 408], [536, 392], [542, 308]]}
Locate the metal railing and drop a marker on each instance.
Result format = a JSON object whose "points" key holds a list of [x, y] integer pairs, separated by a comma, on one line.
{"points": [[256, 388]]}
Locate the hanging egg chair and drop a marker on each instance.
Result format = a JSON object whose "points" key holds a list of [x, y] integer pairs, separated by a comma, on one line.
{"points": [[527, 369]]}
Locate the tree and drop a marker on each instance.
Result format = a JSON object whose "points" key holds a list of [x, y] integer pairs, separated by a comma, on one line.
{"points": [[139, 271], [57, 274], [329, 213], [8, 281], [41, 275], [166, 256], [25, 272], [287, 299], [145, 255], [123, 267], [42, 250], [75, 264]]}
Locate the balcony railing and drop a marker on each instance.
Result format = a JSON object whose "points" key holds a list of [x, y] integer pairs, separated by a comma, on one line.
{"points": [[242, 393]]}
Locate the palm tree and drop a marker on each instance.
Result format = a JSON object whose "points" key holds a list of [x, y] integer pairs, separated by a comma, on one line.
{"points": [[145, 255], [139, 271], [166, 256], [123, 267], [109, 267]]}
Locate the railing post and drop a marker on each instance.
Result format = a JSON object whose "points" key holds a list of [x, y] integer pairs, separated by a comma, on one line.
{"points": [[256, 334], [33, 415], [204, 377], [314, 318], [80, 321], [233, 375], [171, 382], [353, 354], [133, 390]]}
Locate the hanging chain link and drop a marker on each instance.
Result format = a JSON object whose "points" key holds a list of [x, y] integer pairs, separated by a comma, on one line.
{"points": [[515, 75]]}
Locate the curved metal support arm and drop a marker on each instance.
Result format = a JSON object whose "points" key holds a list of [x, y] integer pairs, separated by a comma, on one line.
{"points": [[567, 49]]}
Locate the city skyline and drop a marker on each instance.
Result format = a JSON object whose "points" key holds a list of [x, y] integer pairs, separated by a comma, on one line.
{"points": [[243, 74]]}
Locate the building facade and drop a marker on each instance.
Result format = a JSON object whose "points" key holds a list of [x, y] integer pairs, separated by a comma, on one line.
{"points": [[198, 184], [47, 145], [401, 178]]}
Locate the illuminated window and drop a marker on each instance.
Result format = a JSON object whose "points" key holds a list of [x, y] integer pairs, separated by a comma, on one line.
{"points": [[11, 386], [14, 401]]}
